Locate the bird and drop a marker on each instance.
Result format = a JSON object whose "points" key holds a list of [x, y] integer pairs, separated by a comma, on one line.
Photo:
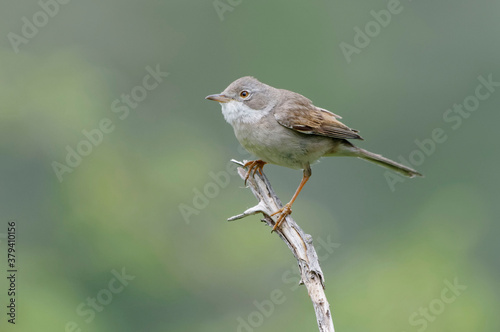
{"points": [[284, 128]]}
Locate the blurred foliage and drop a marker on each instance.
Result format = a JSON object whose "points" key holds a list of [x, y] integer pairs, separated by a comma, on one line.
{"points": [[121, 207]]}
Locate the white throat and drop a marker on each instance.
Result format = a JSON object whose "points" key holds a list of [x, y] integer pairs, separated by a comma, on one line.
{"points": [[236, 112]]}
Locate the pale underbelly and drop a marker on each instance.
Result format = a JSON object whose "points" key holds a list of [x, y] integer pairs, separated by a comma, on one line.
{"points": [[288, 149]]}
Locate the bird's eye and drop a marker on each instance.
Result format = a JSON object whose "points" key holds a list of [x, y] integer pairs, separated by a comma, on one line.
{"points": [[244, 94]]}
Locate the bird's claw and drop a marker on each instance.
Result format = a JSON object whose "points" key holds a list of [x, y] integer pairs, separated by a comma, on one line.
{"points": [[283, 213], [253, 166]]}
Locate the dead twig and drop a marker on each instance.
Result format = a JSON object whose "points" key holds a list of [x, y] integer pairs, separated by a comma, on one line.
{"points": [[299, 243]]}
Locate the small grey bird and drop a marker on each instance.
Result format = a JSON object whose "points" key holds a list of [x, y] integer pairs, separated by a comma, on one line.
{"points": [[284, 128]]}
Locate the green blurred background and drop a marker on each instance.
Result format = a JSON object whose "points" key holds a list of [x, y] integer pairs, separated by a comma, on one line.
{"points": [[121, 207]]}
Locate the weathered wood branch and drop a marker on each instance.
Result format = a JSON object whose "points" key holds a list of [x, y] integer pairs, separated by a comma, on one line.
{"points": [[299, 243]]}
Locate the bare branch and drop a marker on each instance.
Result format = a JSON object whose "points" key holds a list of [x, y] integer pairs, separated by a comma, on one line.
{"points": [[299, 243]]}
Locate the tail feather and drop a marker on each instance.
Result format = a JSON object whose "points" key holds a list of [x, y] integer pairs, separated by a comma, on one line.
{"points": [[382, 161]]}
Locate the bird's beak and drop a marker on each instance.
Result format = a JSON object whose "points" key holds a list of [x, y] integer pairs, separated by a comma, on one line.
{"points": [[220, 98]]}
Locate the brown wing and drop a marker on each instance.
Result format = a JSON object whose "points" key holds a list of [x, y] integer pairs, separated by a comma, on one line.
{"points": [[335, 115], [298, 113]]}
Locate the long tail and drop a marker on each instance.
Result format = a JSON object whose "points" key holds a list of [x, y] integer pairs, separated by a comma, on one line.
{"points": [[382, 161]]}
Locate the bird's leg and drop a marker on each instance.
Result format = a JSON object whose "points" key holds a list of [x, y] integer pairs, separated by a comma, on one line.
{"points": [[254, 166], [287, 209]]}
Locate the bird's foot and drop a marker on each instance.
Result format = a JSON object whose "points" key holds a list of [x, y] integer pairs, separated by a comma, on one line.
{"points": [[254, 166], [283, 213]]}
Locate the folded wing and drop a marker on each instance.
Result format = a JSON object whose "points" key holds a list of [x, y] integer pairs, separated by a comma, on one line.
{"points": [[298, 113]]}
